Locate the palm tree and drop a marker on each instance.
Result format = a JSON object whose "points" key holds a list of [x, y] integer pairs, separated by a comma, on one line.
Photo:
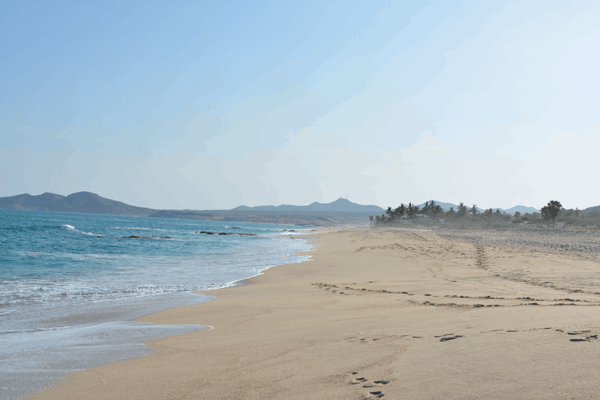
{"points": [[430, 208], [382, 219], [425, 209], [451, 213], [400, 211], [412, 210], [462, 210], [474, 209]]}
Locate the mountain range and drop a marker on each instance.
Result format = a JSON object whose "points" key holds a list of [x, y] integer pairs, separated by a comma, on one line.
{"points": [[82, 202], [591, 209], [512, 210], [339, 205], [91, 203]]}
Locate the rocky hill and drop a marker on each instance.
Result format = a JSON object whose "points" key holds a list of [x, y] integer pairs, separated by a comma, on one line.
{"points": [[340, 205], [339, 212], [82, 202]]}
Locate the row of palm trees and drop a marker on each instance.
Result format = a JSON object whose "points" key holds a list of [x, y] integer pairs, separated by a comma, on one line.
{"points": [[430, 210]]}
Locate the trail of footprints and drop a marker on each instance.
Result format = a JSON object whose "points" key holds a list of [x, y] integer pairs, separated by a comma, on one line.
{"points": [[575, 336], [524, 301], [479, 256], [373, 387], [334, 289], [481, 261]]}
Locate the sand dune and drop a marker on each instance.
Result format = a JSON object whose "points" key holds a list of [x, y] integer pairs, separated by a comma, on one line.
{"points": [[384, 313]]}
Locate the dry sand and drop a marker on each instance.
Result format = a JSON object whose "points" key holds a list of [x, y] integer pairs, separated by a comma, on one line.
{"points": [[398, 313], [573, 240]]}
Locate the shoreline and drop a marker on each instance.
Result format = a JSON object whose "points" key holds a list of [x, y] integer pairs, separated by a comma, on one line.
{"points": [[399, 314], [97, 333]]}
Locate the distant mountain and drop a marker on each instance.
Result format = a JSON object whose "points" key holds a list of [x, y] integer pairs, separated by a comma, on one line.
{"points": [[591, 209], [512, 210], [445, 206], [90, 203], [340, 205], [82, 202], [521, 209]]}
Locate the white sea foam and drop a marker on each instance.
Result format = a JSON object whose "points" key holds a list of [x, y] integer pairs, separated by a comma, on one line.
{"points": [[62, 287], [141, 276], [72, 228], [133, 228], [39, 358]]}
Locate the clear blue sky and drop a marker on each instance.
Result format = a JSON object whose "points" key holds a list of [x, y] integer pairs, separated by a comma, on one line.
{"points": [[215, 104]]}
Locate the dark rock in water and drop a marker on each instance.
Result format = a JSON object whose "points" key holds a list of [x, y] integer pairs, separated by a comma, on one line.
{"points": [[227, 233], [146, 237]]}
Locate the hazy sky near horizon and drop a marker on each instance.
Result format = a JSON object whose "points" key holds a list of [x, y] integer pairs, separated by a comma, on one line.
{"points": [[214, 104]]}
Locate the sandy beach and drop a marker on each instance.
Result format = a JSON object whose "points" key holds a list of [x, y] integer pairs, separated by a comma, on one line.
{"points": [[385, 313]]}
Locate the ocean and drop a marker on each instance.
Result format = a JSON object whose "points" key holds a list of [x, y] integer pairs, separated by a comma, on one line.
{"points": [[70, 284]]}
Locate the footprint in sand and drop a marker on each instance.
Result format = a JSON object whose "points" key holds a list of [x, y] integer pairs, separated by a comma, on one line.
{"points": [[588, 338], [367, 385], [448, 336]]}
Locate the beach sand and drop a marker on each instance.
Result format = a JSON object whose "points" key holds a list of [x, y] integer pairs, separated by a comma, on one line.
{"points": [[380, 313]]}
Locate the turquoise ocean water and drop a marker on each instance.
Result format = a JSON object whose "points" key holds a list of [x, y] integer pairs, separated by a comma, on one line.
{"points": [[70, 284]]}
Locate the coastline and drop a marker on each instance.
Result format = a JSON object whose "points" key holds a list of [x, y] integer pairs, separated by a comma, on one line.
{"points": [[69, 308], [397, 313]]}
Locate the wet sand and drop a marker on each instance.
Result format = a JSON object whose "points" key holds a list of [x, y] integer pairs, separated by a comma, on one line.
{"points": [[381, 313]]}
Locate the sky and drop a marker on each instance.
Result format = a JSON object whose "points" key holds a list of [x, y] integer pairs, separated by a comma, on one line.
{"points": [[215, 104]]}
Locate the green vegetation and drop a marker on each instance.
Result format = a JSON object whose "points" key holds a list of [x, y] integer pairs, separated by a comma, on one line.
{"points": [[471, 217], [551, 211]]}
